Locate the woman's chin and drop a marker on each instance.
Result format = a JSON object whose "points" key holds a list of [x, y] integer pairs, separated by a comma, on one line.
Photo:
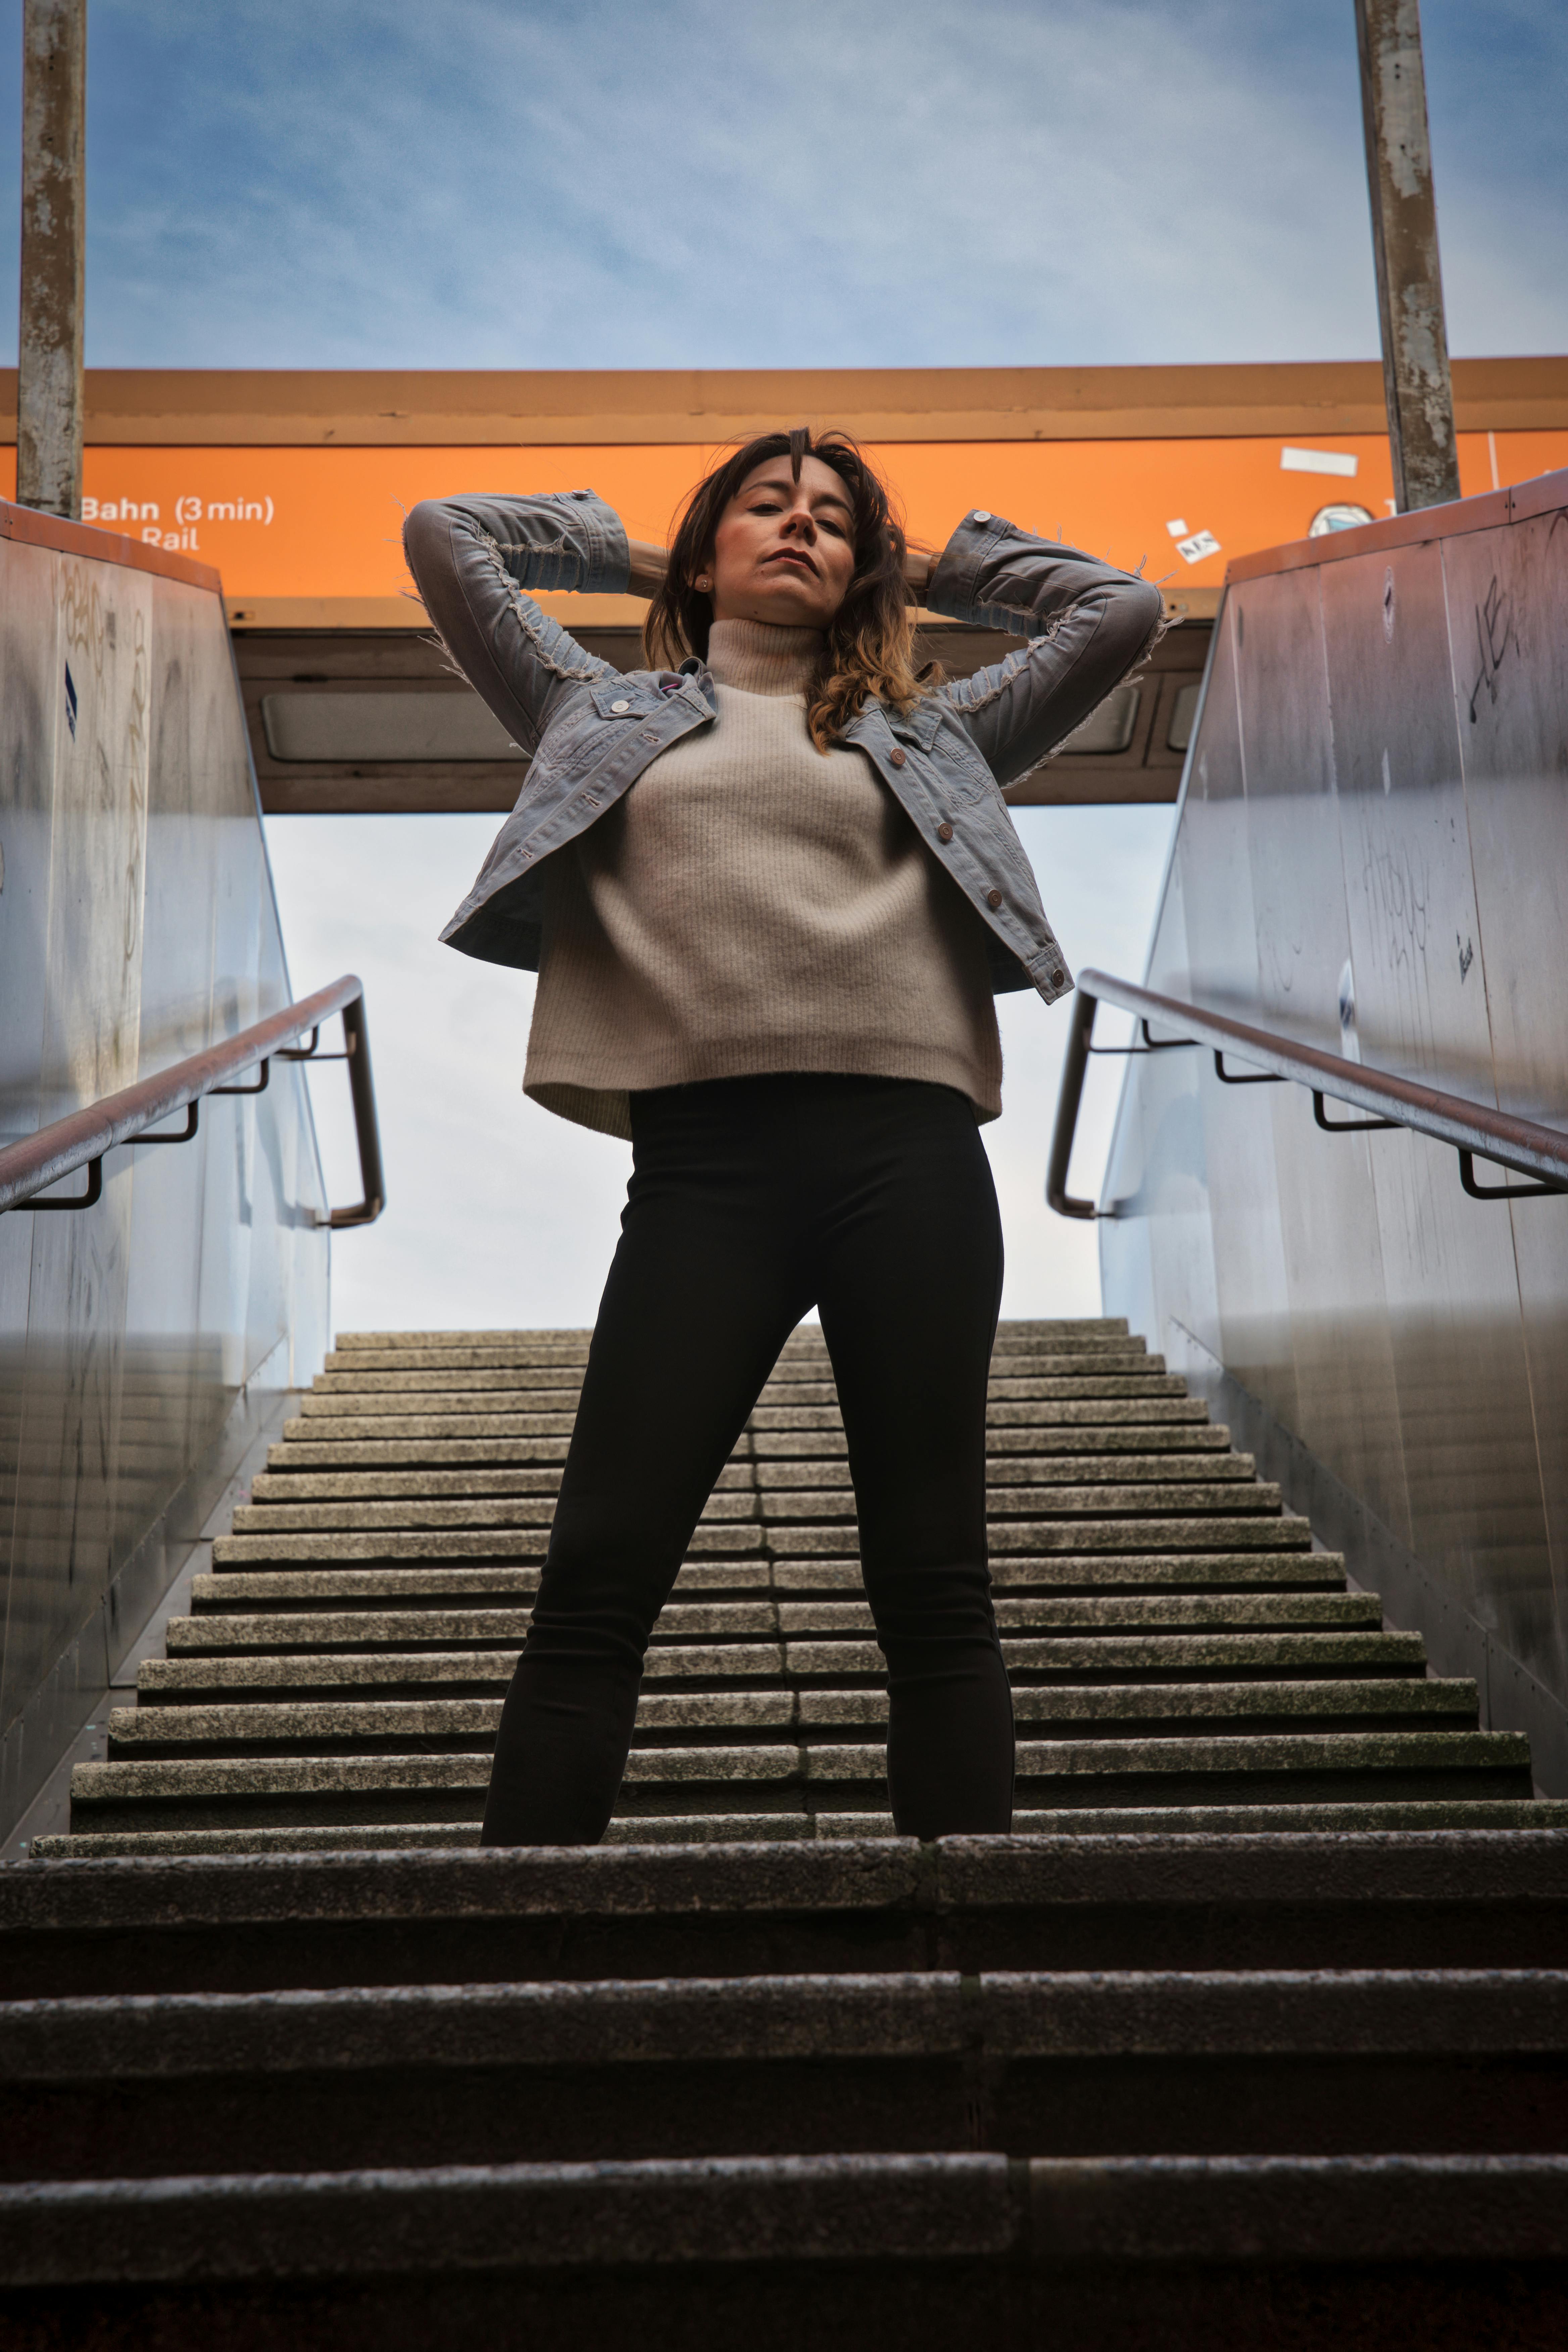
{"points": [[784, 605]]}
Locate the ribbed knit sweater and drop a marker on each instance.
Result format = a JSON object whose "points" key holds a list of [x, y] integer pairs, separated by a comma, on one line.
{"points": [[753, 905]]}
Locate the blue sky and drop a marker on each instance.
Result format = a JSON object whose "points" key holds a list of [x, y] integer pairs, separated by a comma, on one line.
{"points": [[848, 183], [721, 183]]}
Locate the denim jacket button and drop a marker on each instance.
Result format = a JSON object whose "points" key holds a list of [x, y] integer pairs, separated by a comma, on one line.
{"points": [[994, 899], [944, 833], [982, 514], [897, 756], [1058, 978], [618, 707]]}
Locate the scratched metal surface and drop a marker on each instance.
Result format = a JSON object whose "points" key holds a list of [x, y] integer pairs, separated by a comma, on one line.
{"points": [[136, 924], [1348, 1404], [1377, 796], [1508, 609], [1451, 1288], [1329, 1240]]}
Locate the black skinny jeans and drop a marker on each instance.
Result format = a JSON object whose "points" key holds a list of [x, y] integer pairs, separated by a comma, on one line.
{"points": [[751, 1200]]}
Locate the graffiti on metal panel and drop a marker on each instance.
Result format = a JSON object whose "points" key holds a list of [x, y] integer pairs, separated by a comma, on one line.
{"points": [[1394, 884], [1494, 635]]}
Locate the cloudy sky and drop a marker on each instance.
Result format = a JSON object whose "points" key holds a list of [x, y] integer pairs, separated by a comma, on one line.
{"points": [[844, 183], [720, 183]]}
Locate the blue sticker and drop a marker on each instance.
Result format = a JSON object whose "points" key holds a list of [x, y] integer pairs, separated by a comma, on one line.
{"points": [[70, 702]]}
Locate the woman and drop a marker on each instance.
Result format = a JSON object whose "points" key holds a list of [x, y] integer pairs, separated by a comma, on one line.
{"points": [[770, 887]]}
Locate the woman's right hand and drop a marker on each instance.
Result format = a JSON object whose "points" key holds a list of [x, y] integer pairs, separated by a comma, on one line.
{"points": [[649, 564]]}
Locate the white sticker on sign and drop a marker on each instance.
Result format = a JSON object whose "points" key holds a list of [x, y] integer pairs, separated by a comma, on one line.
{"points": [[1317, 461], [1201, 543], [1178, 529]]}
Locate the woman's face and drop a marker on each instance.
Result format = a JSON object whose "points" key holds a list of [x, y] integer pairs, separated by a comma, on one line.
{"points": [[784, 550]]}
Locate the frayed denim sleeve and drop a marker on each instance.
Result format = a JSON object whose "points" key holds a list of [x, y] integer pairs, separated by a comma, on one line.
{"points": [[1089, 624], [474, 560]]}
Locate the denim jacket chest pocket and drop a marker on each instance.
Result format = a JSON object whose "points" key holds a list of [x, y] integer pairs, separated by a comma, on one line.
{"points": [[621, 699], [591, 727], [920, 725], [615, 731], [966, 779]]}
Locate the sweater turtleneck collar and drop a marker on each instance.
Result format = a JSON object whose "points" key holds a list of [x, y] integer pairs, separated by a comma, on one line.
{"points": [[759, 658]]}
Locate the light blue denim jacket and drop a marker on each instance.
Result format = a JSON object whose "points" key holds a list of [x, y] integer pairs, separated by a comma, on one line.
{"points": [[590, 730]]}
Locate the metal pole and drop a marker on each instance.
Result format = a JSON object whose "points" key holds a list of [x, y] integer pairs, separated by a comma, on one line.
{"points": [[54, 235], [1404, 245]]}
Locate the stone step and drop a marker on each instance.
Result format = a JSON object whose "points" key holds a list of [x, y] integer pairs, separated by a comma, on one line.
{"points": [[1087, 1330], [319, 1426], [1283, 2063], [804, 1380], [496, 1366], [790, 1776], [318, 1595], [1007, 1441], [748, 1585], [1314, 1887], [502, 1546], [373, 1723], [1088, 1653], [433, 1352], [394, 1432], [1426, 1819], [421, 1651], [309, 1484], [1223, 1533], [343, 1397], [1011, 1575], [784, 1505], [1005, 1389], [1147, 1586], [936, 2248], [539, 1336]]}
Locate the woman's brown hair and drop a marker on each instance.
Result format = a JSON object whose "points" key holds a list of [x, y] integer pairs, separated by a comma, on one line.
{"points": [[868, 644]]}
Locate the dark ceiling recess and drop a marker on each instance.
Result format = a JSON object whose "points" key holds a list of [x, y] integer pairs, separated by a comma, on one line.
{"points": [[362, 721]]}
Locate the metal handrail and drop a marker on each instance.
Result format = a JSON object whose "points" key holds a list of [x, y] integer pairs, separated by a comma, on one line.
{"points": [[1475, 1132], [82, 1139]]}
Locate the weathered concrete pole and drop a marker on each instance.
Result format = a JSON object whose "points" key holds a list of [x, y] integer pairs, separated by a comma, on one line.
{"points": [[54, 239], [1404, 244]]}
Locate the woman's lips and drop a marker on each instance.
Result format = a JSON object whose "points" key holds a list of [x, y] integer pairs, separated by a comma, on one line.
{"points": [[794, 555]]}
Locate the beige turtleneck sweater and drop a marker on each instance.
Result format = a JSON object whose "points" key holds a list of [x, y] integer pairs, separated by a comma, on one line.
{"points": [[751, 905]]}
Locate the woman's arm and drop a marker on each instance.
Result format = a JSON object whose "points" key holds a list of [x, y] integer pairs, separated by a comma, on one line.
{"points": [[1089, 623], [475, 559]]}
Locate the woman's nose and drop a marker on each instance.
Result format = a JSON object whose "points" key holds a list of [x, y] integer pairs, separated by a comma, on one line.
{"points": [[802, 524]]}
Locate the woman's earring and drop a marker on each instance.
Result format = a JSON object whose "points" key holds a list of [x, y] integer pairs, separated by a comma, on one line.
{"points": [[702, 584]]}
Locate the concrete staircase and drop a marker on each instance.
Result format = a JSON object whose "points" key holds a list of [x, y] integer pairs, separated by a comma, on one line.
{"points": [[1182, 1656], [1257, 2033]]}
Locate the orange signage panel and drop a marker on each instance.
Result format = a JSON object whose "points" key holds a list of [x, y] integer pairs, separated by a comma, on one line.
{"points": [[310, 535]]}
